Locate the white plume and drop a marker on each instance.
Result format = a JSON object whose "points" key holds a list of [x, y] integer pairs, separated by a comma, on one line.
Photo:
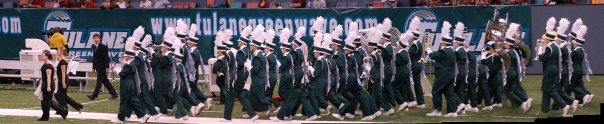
{"points": [[301, 31], [147, 40], [138, 32], [327, 40], [512, 30], [387, 24], [169, 34], [285, 34], [337, 32], [414, 24], [181, 27], [258, 33], [405, 37], [129, 43], [219, 38], [578, 23], [550, 24], [446, 29], [318, 24], [228, 34], [270, 35], [193, 30], [246, 31], [353, 27], [581, 32], [317, 39], [562, 26], [459, 27]]}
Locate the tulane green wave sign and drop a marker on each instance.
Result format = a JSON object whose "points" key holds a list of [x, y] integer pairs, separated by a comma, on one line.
{"points": [[115, 26]]}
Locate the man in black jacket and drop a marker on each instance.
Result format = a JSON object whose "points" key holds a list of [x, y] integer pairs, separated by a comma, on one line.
{"points": [[100, 64]]}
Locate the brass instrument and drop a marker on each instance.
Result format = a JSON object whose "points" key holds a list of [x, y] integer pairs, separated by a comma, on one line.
{"points": [[427, 42], [496, 25]]}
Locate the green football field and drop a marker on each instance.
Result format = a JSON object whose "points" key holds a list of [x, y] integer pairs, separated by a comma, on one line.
{"points": [[21, 97]]}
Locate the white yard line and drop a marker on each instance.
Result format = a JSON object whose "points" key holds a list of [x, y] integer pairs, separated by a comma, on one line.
{"points": [[163, 119], [513, 117], [82, 103]]}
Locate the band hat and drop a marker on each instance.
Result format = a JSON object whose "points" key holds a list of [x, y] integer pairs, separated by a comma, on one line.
{"points": [[445, 33], [192, 32]]}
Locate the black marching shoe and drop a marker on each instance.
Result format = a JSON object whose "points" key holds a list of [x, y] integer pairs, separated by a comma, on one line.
{"points": [[90, 97], [113, 96], [42, 119]]}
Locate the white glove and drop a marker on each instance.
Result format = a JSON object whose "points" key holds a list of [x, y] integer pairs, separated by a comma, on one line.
{"points": [[248, 65], [117, 70], [483, 55], [366, 67], [540, 50], [311, 69]]}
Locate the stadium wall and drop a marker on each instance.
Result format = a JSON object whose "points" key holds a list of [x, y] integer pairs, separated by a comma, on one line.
{"points": [[116, 25]]}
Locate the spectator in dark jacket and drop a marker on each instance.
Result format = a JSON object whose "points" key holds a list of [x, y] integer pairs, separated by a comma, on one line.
{"points": [[65, 4]]}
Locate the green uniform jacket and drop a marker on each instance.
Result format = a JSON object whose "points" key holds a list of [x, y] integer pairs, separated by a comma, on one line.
{"points": [[512, 72], [578, 57], [340, 63], [444, 65], [319, 81], [334, 74], [220, 69], [141, 67], [387, 56], [242, 74], [472, 66], [551, 72], [286, 75], [259, 78], [272, 70], [375, 71], [402, 68], [127, 76], [298, 58], [415, 51], [565, 56], [359, 55], [461, 57], [494, 64]]}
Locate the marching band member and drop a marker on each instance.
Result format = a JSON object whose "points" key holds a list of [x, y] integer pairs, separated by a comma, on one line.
{"points": [[415, 52], [513, 85], [272, 65], [141, 65], [323, 78], [462, 64], [549, 53], [286, 71], [375, 69], [564, 63], [332, 91], [181, 90], [484, 90], [403, 77], [387, 53], [338, 60], [129, 89], [242, 62], [445, 75], [259, 72], [162, 65], [192, 104], [221, 69], [579, 60], [471, 95], [195, 62], [232, 68], [299, 93], [353, 82]]}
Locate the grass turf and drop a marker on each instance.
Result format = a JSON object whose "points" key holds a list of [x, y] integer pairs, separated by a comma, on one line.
{"points": [[17, 97]]}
